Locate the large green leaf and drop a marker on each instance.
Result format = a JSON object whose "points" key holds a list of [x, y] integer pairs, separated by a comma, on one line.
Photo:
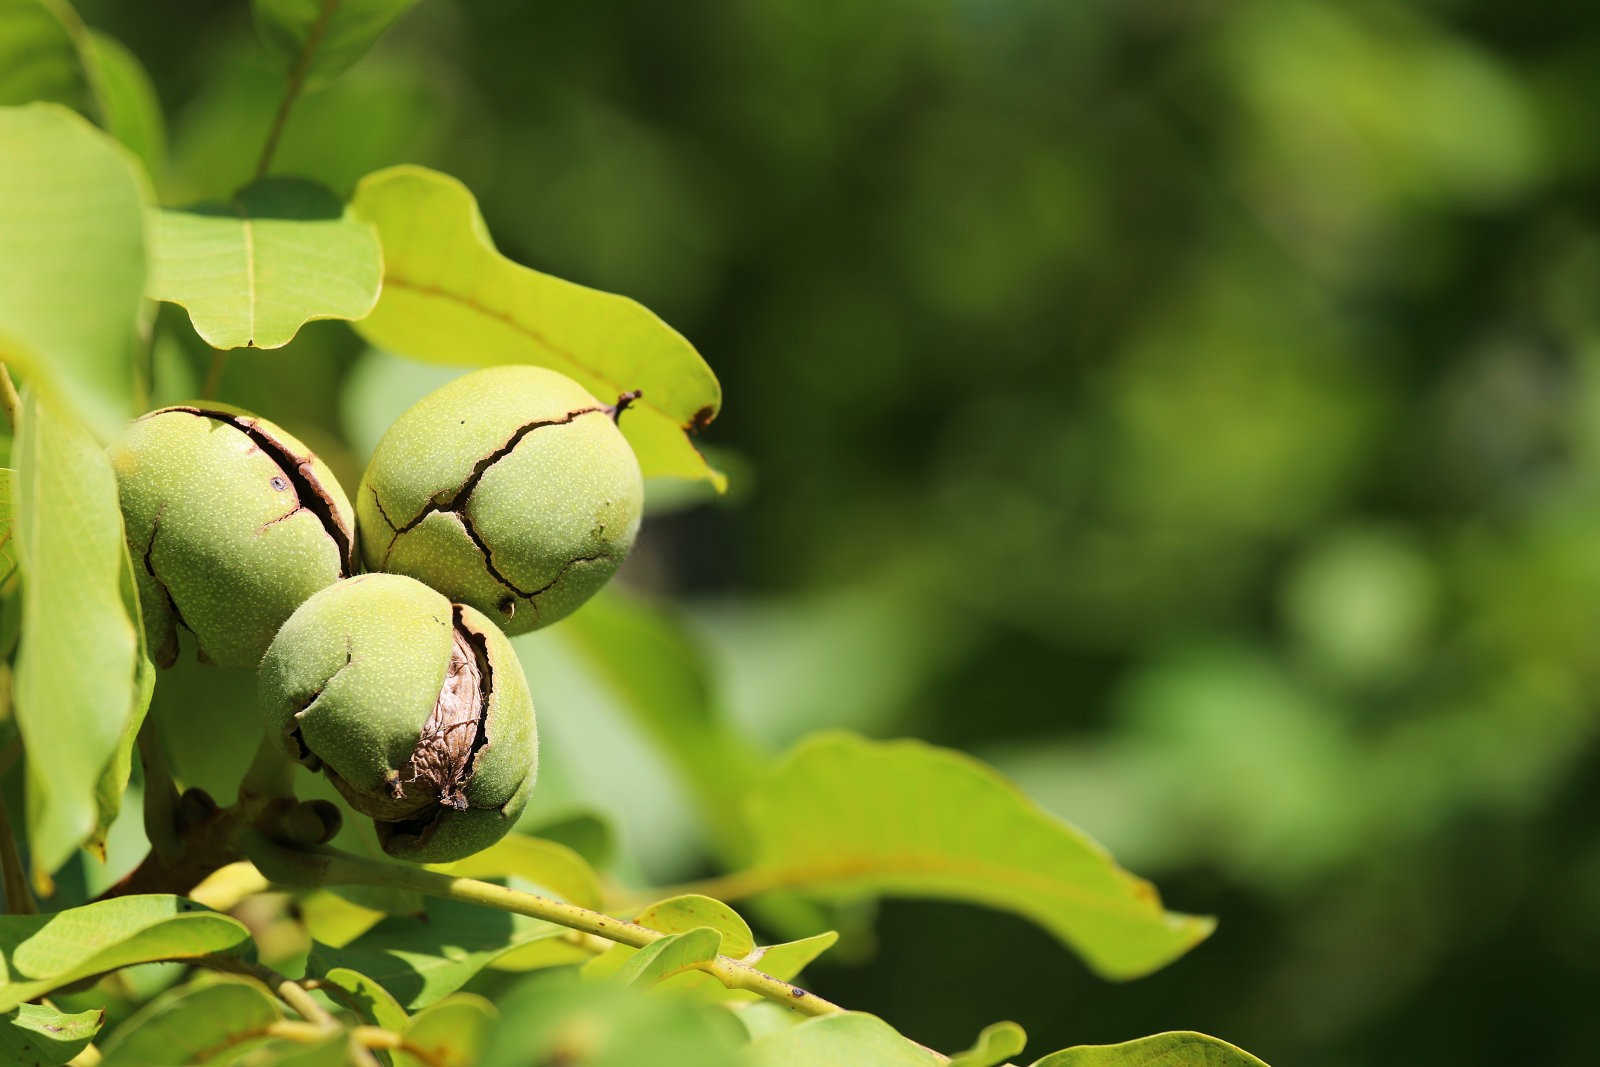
{"points": [[317, 39], [550, 1019], [839, 1041], [72, 260], [1181, 1048], [36, 1035], [996, 1044], [79, 680], [45, 952], [843, 816], [450, 297], [449, 1034], [253, 271], [193, 1024]]}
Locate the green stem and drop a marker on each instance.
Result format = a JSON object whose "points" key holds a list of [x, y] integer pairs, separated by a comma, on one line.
{"points": [[322, 867], [297, 81]]}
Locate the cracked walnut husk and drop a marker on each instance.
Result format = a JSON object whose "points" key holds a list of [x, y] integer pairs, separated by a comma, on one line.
{"points": [[510, 489], [231, 523], [414, 708]]}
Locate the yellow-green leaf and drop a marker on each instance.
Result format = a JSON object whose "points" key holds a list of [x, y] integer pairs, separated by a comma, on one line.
{"points": [[253, 271], [365, 997], [44, 952], [672, 955], [1180, 1048], [36, 1035], [449, 1034], [996, 1044], [844, 817], [450, 297]]}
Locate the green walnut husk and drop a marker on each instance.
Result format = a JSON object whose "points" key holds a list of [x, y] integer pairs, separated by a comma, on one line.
{"points": [[415, 708], [232, 523], [510, 489]]}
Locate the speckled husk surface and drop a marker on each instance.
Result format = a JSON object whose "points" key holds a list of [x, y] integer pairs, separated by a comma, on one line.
{"points": [[231, 522], [415, 708], [510, 489]]}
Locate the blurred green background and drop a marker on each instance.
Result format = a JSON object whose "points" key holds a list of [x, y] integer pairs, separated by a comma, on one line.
{"points": [[1189, 407]]}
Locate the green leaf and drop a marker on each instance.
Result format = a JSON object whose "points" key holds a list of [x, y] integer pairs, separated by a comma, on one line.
{"points": [[839, 1041], [39, 57], [45, 952], [422, 959], [364, 997], [35, 1035], [252, 272], [843, 816], [678, 915], [72, 260], [550, 1019], [191, 1024], [130, 109], [318, 39], [548, 867], [450, 297], [996, 1044], [1181, 1048], [691, 911], [787, 959], [646, 657], [79, 681], [672, 955], [449, 1034]]}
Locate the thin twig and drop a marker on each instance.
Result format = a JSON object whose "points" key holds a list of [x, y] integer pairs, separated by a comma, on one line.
{"points": [[9, 398], [288, 990], [219, 359], [19, 898], [297, 80]]}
